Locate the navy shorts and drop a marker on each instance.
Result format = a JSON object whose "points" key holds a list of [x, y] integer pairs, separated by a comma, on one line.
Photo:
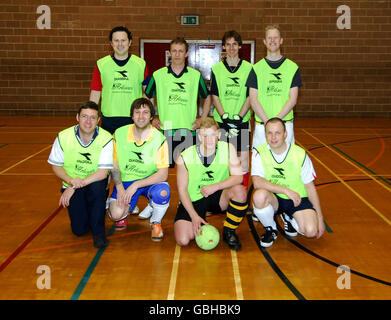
{"points": [[202, 206], [286, 205]]}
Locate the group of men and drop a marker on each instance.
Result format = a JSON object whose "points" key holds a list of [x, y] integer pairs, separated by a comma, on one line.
{"points": [[135, 148]]}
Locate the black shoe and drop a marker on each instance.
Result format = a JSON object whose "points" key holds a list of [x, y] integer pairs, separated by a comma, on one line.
{"points": [[100, 242], [268, 237], [288, 227], [230, 237]]}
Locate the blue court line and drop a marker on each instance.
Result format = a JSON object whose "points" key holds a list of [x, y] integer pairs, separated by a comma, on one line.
{"points": [[90, 269], [328, 229]]}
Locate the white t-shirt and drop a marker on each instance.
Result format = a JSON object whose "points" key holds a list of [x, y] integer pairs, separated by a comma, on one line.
{"points": [[308, 173], [56, 156]]}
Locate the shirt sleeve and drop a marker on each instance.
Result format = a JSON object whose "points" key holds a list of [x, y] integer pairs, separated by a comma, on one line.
{"points": [[213, 85], [162, 159], [203, 91], [256, 164], [115, 156], [106, 157], [147, 76], [96, 82], [252, 81], [150, 90], [296, 81], [308, 173], [56, 156]]}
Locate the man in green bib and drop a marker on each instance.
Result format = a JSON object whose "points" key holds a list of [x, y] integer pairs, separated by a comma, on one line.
{"points": [[274, 87], [283, 176], [175, 90], [81, 157], [118, 79], [140, 168], [209, 178], [230, 98]]}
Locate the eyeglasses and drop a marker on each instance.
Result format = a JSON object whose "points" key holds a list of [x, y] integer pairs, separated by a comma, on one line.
{"points": [[85, 117]]}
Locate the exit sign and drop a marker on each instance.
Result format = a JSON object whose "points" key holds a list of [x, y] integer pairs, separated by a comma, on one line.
{"points": [[190, 20]]}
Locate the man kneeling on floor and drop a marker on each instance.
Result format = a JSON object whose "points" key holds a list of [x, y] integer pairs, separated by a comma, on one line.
{"points": [[283, 178], [140, 168], [209, 177]]}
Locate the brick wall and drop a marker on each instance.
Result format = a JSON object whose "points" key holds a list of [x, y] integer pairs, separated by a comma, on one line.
{"points": [[344, 72]]}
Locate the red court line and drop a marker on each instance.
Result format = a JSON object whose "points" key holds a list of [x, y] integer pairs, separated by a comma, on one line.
{"points": [[78, 243], [373, 161], [28, 240]]}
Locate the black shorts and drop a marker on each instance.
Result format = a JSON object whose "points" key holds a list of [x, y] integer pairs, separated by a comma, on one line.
{"points": [[242, 141], [178, 140], [202, 206], [286, 205], [113, 123]]}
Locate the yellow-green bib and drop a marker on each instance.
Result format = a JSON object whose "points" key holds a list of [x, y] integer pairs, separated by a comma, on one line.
{"points": [[177, 98], [120, 85], [137, 161], [232, 89], [80, 161], [288, 172], [274, 86], [200, 175]]}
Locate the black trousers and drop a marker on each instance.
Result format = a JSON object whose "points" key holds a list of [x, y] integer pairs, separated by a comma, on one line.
{"points": [[87, 209]]}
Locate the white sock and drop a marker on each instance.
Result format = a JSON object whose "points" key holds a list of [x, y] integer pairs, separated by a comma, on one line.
{"points": [[159, 210], [266, 216], [147, 212]]}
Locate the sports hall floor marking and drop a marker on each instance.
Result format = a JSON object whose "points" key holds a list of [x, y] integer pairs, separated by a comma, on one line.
{"points": [[297, 244], [363, 166], [174, 273], [25, 159], [270, 260], [90, 269], [345, 184], [28, 240], [38, 230], [347, 160], [238, 283]]}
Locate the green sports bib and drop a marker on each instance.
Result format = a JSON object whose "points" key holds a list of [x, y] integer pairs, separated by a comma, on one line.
{"points": [[80, 161], [274, 86], [137, 161], [177, 98], [120, 85], [232, 89], [200, 175], [288, 172]]}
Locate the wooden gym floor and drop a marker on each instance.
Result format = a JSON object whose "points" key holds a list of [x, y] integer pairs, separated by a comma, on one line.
{"points": [[352, 160]]}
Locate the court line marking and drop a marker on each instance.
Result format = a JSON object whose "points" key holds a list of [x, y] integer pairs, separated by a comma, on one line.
{"points": [[238, 283], [374, 174], [269, 259], [174, 273], [24, 160], [28, 240], [344, 158], [87, 275], [300, 246], [347, 186]]}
